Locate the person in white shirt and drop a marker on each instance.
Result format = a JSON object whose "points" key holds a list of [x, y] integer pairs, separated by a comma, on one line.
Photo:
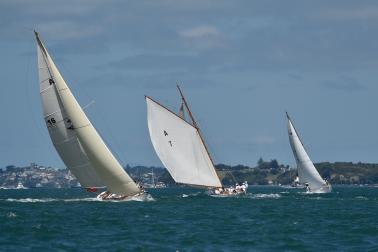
{"points": [[244, 186]]}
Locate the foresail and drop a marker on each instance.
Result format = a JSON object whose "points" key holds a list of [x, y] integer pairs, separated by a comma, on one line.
{"points": [[179, 147], [307, 172], [74, 119], [65, 140]]}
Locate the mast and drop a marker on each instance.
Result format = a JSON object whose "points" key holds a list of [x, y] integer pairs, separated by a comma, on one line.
{"points": [[44, 52], [198, 130], [187, 107]]}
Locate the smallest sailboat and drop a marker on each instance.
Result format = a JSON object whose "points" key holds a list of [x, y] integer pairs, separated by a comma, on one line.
{"points": [[307, 173]]}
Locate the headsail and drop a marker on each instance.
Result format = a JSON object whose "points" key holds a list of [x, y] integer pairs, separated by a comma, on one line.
{"points": [[76, 140], [307, 172], [180, 147]]}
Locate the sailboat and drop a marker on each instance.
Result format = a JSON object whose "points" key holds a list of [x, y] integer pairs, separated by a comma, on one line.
{"points": [[75, 139], [307, 173], [181, 148]]}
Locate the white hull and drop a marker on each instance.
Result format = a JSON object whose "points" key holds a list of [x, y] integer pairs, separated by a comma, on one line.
{"points": [[21, 186], [323, 189], [292, 186]]}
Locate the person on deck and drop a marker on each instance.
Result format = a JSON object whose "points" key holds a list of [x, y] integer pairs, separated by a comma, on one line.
{"points": [[307, 186], [244, 186]]}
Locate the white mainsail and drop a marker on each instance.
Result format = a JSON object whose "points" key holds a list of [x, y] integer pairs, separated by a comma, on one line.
{"points": [[180, 147], [307, 172], [75, 139]]}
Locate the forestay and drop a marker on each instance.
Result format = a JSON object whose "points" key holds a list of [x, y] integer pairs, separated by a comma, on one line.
{"points": [[307, 172], [75, 139], [180, 147]]}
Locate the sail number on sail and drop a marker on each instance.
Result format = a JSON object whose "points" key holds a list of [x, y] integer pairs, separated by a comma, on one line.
{"points": [[51, 122], [166, 134]]}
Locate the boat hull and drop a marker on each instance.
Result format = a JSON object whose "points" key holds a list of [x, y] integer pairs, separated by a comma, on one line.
{"points": [[323, 189]]}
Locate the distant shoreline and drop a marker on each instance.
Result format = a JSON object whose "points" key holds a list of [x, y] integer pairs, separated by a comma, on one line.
{"points": [[264, 173]]}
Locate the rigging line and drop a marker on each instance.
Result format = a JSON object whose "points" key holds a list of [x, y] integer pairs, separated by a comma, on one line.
{"points": [[232, 176], [28, 83], [199, 132], [31, 104], [214, 153], [84, 92]]}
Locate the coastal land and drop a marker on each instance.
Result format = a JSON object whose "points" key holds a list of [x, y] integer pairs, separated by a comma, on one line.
{"points": [[264, 173]]}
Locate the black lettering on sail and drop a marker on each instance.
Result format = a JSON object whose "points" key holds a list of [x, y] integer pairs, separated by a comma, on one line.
{"points": [[70, 125], [170, 142], [165, 133]]}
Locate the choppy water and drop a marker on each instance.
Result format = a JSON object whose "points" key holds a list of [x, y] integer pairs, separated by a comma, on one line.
{"points": [[266, 219]]}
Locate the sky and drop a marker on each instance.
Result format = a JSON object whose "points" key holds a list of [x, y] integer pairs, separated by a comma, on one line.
{"points": [[241, 65]]}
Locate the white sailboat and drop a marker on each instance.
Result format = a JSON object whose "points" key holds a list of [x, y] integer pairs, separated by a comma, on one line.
{"points": [[181, 148], [20, 186], [307, 173], [75, 139]]}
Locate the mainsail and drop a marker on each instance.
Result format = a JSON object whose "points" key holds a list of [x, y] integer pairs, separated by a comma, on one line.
{"points": [[180, 147], [307, 172], [77, 142]]}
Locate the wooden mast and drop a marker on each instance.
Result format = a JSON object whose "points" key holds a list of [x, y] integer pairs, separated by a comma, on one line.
{"points": [[198, 130]]}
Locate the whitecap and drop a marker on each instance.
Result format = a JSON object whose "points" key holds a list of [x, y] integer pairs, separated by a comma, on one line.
{"points": [[265, 196], [30, 200], [46, 200], [190, 195], [362, 197], [11, 215]]}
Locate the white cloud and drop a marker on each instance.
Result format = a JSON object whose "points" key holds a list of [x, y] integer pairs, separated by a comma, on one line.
{"points": [[200, 32], [363, 13], [264, 140], [68, 30], [203, 37]]}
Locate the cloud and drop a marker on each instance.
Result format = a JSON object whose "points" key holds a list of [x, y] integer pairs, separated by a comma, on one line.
{"points": [[199, 32], [202, 37], [354, 13], [150, 61], [157, 80], [67, 30], [204, 62], [264, 140], [345, 83]]}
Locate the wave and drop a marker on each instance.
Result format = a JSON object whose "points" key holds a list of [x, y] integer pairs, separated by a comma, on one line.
{"points": [[264, 196], [362, 197], [11, 215], [47, 200], [31, 200], [190, 195], [250, 196]]}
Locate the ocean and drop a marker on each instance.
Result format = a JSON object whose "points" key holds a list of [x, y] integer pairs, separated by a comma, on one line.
{"points": [[184, 219]]}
